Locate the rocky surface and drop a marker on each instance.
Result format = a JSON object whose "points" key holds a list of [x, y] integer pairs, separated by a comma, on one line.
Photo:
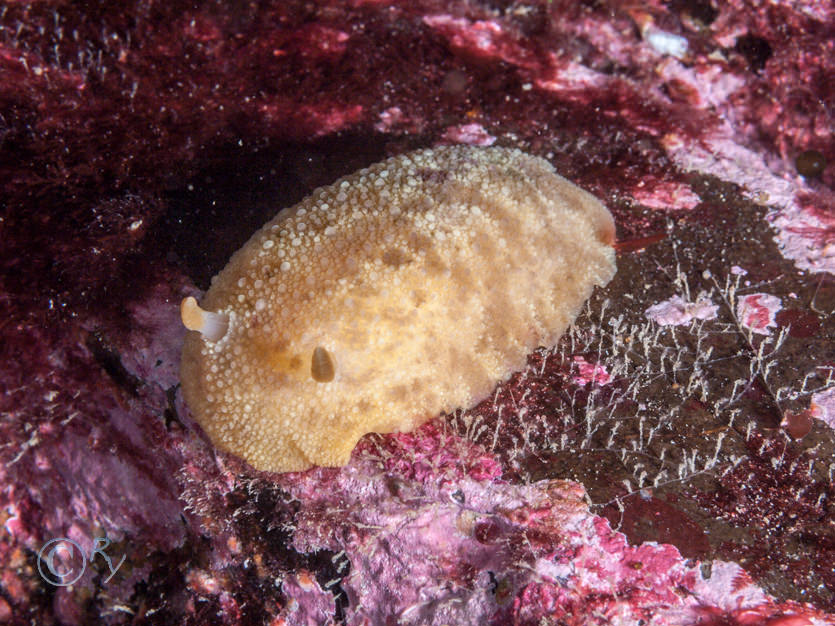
{"points": [[669, 462]]}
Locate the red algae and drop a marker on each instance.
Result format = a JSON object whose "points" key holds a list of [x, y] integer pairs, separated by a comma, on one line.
{"points": [[777, 497], [650, 519], [544, 554], [141, 147]]}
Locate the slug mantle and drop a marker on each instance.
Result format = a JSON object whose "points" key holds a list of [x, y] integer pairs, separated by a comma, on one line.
{"points": [[406, 289]]}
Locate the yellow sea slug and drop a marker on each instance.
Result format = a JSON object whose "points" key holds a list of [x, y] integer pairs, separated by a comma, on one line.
{"points": [[406, 289]]}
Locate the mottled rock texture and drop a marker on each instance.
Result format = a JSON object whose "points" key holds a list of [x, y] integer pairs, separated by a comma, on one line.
{"points": [[141, 145]]}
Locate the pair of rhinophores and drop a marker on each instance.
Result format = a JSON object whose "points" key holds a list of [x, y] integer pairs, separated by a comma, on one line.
{"points": [[406, 289]]}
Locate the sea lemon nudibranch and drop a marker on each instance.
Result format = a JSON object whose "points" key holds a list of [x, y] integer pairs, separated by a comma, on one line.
{"points": [[406, 289], [211, 325]]}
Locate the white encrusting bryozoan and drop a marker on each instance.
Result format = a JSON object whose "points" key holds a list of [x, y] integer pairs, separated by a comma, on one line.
{"points": [[406, 289]]}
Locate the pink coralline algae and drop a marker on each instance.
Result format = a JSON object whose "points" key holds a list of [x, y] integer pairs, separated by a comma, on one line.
{"points": [[459, 545], [590, 372], [823, 407], [666, 195], [677, 311], [757, 312], [807, 236], [309, 602], [803, 233], [472, 134], [142, 146], [487, 39]]}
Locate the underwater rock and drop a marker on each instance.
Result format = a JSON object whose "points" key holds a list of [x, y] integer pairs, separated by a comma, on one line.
{"points": [[141, 147]]}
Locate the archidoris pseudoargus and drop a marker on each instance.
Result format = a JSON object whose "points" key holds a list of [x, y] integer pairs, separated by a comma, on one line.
{"points": [[406, 289]]}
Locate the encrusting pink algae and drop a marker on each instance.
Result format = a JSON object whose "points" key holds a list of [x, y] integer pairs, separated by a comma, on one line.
{"points": [[666, 461]]}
